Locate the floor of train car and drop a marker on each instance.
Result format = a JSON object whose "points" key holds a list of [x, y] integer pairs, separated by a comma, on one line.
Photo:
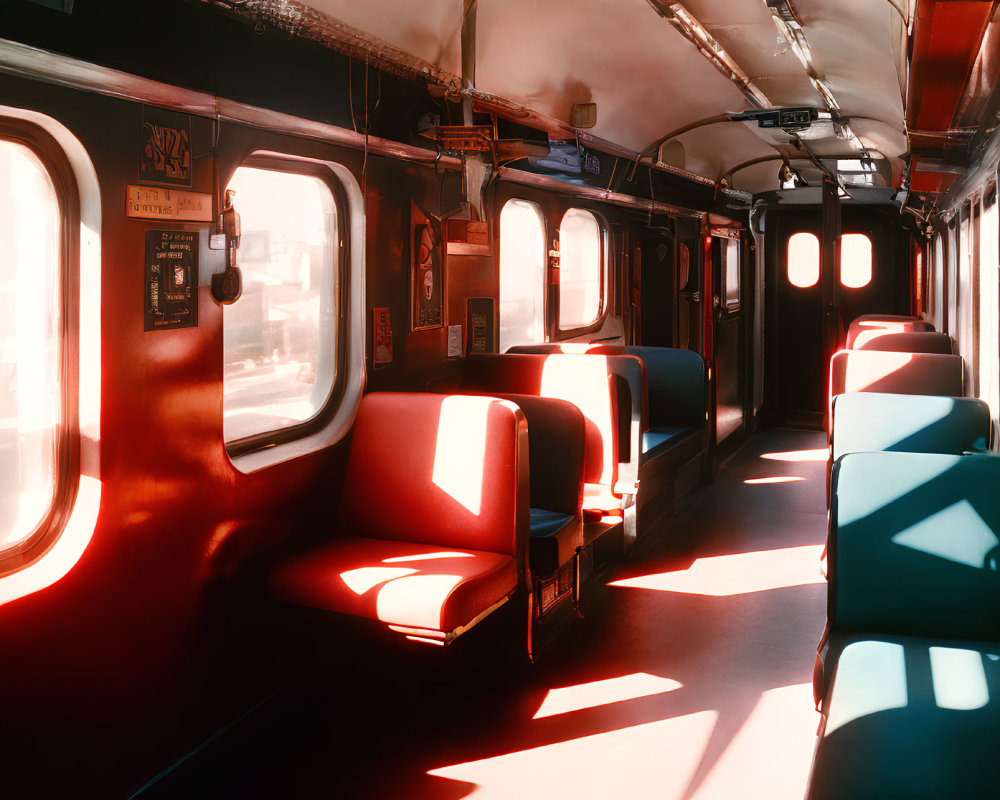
{"points": [[689, 677]]}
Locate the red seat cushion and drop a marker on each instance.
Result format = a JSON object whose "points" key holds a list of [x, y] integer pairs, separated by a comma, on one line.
{"points": [[400, 583]]}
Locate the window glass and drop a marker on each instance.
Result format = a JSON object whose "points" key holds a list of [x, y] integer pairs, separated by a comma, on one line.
{"points": [[522, 274], [281, 335], [30, 342], [732, 255], [803, 260], [581, 269], [855, 260]]}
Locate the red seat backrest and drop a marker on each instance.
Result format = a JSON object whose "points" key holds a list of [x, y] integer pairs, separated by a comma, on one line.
{"points": [[896, 373], [887, 324], [438, 469], [904, 341], [579, 379]]}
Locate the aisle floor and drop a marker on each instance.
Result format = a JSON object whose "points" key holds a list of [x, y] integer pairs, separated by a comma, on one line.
{"points": [[689, 677]]}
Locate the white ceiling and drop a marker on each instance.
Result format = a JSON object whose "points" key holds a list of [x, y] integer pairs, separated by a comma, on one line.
{"points": [[649, 81]]}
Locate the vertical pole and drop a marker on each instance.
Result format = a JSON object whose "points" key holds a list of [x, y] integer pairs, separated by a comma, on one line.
{"points": [[833, 326], [475, 171]]}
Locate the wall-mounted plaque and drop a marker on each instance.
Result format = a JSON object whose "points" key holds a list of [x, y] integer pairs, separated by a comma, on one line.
{"points": [[165, 148], [171, 280], [479, 325], [427, 283], [153, 202], [382, 335]]}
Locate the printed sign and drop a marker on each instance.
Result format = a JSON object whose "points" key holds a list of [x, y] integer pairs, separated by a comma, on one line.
{"points": [[382, 332], [151, 202], [171, 280], [165, 149]]}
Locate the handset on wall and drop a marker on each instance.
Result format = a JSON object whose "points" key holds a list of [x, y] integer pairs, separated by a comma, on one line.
{"points": [[228, 286]]}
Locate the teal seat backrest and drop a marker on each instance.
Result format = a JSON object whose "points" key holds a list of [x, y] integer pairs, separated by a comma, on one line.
{"points": [[868, 421], [914, 545], [678, 384]]}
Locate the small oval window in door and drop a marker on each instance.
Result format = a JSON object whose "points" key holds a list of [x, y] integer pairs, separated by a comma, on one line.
{"points": [[803, 260], [855, 260]]}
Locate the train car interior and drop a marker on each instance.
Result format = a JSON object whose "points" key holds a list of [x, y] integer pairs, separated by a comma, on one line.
{"points": [[499, 399]]}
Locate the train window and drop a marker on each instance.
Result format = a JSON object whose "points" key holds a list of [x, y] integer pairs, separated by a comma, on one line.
{"points": [[31, 391], [803, 260], [732, 289], [855, 260], [281, 338], [522, 274], [581, 268]]}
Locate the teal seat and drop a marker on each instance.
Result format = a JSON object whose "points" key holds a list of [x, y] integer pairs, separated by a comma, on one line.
{"points": [[909, 718], [914, 545], [868, 421], [909, 678]]}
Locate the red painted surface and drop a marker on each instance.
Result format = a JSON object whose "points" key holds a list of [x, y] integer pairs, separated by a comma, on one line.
{"points": [[947, 38], [936, 182]]}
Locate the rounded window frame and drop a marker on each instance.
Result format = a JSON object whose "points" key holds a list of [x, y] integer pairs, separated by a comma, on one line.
{"points": [[560, 333], [66, 458], [290, 163]]}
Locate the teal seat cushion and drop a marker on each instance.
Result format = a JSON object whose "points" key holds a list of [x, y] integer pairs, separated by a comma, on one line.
{"points": [[658, 440], [545, 523], [910, 718], [867, 421]]}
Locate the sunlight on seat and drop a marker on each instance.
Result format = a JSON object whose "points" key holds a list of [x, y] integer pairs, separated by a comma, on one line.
{"points": [[583, 381], [956, 533], [415, 601], [655, 759], [771, 753], [819, 454], [958, 678], [602, 693], [871, 677], [775, 479], [426, 557], [741, 573], [862, 373], [364, 579], [460, 449]]}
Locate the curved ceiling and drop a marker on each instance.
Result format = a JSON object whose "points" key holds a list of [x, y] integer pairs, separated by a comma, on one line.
{"points": [[649, 81]]}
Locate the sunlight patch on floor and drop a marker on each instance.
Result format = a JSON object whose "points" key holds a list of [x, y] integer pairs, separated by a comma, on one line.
{"points": [[740, 573], [655, 760], [818, 454], [770, 757], [601, 693]]}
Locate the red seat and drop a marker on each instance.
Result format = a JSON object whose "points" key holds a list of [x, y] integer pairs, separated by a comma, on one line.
{"points": [[888, 323], [904, 341], [587, 382], [432, 521]]}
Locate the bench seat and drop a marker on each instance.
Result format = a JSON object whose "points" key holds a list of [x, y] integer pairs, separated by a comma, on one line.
{"points": [[431, 530]]}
